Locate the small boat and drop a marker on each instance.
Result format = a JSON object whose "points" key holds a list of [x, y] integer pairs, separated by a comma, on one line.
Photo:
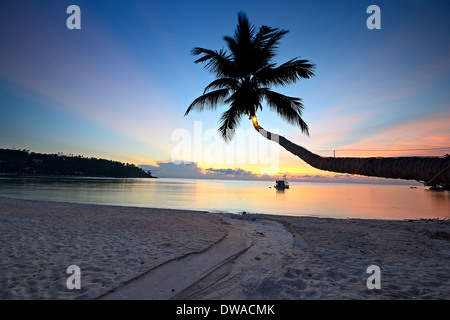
{"points": [[281, 184]]}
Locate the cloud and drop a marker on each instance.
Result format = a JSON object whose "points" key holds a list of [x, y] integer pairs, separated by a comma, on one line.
{"points": [[193, 171], [172, 170], [230, 172]]}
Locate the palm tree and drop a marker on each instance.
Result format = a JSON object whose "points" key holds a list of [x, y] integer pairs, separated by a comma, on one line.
{"points": [[243, 80]]}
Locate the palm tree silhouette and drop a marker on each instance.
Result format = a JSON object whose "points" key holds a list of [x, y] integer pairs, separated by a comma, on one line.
{"points": [[243, 80]]}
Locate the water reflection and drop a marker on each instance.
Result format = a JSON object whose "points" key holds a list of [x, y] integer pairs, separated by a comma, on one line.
{"points": [[332, 200]]}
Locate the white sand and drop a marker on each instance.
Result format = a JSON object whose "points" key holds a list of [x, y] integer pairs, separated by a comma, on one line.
{"points": [[111, 245], [139, 253]]}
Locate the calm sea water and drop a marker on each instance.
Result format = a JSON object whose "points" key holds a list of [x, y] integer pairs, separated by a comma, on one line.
{"points": [[307, 199]]}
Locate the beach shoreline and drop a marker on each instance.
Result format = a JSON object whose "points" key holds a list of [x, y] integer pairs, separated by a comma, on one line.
{"points": [[122, 250]]}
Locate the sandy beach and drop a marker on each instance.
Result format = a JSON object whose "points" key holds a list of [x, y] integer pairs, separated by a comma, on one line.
{"points": [[143, 253]]}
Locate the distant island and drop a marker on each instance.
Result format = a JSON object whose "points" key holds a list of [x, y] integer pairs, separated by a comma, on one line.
{"points": [[24, 162]]}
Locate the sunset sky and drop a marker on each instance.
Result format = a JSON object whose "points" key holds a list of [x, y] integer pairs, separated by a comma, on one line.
{"points": [[118, 88]]}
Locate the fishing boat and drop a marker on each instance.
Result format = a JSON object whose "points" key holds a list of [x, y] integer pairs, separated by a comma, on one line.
{"points": [[281, 184]]}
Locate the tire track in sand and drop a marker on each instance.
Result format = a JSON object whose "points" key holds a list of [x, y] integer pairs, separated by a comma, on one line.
{"points": [[254, 249]]}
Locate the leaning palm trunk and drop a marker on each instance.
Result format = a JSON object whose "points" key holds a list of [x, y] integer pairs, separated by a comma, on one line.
{"points": [[244, 76], [427, 170]]}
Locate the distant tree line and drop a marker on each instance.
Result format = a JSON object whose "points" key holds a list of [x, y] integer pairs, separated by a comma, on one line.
{"points": [[24, 162]]}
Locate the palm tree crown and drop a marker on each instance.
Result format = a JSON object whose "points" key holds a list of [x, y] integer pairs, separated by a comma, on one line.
{"points": [[244, 76]]}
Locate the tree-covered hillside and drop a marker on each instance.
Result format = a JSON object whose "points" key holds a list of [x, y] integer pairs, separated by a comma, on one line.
{"points": [[20, 162]]}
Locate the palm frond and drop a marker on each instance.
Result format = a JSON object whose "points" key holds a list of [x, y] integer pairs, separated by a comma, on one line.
{"points": [[289, 108], [221, 83], [267, 40], [217, 62], [229, 121], [243, 35], [244, 51], [209, 100], [248, 96], [287, 73]]}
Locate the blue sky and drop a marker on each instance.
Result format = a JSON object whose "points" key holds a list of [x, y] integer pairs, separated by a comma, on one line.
{"points": [[118, 88]]}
